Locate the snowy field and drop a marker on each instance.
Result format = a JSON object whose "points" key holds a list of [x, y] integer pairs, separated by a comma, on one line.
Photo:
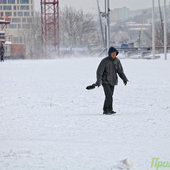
{"points": [[48, 121]]}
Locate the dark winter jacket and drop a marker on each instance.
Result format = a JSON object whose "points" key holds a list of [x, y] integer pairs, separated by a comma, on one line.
{"points": [[1, 50], [108, 70]]}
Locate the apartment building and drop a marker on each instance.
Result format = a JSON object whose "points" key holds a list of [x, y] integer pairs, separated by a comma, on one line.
{"points": [[20, 12]]}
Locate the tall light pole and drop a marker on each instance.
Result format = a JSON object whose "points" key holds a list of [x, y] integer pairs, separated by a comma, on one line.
{"points": [[165, 30], [108, 23], [101, 24], [153, 28]]}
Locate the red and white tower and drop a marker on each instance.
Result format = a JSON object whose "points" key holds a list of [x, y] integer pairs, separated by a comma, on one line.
{"points": [[4, 21], [50, 25]]}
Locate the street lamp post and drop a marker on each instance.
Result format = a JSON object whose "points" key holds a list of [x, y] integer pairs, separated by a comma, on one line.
{"points": [[165, 30], [153, 28], [108, 23]]}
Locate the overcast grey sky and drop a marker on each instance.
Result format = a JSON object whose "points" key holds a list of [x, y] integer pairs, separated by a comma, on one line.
{"points": [[90, 5]]}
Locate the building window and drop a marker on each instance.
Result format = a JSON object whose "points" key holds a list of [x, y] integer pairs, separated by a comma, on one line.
{"points": [[20, 13], [8, 14], [16, 39], [2, 14], [23, 7], [24, 1], [19, 25], [7, 7], [26, 26], [15, 8], [26, 13], [12, 26], [11, 1], [29, 20], [15, 14], [3, 1], [16, 20], [23, 19]]}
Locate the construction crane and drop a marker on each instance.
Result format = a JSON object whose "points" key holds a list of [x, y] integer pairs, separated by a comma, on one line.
{"points": [[141, 31], [4, 21], [50, 25]]}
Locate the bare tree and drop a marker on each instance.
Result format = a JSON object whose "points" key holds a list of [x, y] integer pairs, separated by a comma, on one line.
{"points": [[32, 37], [159, 36], [77, 28]]}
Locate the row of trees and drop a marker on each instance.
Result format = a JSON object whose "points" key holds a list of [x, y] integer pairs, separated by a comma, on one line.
{"points": [[78, 28]]}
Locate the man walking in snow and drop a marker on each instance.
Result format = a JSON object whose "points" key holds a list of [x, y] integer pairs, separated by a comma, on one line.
{"points": [[2, 52], [107, 77]]}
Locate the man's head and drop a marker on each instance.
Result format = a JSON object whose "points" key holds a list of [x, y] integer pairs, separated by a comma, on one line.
{"points": [[113, 52], [113, 55]]}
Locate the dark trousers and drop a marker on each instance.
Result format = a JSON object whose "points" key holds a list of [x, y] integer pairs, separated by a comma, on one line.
{"points": [[108, 103], [2, 58]]}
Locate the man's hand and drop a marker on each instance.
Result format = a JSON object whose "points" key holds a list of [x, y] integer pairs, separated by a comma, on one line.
{"points": [[125, 82], [98, 83]]}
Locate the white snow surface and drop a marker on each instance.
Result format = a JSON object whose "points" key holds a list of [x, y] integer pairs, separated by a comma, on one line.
{"points": [[48, 121]]}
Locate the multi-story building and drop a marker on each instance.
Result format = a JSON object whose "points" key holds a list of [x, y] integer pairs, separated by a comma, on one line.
{"points": [[20, 12]]}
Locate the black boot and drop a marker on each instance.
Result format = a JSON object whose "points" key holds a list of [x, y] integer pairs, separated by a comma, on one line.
{"points": [[113, 112], [107, 113]]}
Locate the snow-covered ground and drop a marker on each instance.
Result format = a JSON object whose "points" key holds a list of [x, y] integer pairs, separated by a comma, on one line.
{"points": [[48, 121]]}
